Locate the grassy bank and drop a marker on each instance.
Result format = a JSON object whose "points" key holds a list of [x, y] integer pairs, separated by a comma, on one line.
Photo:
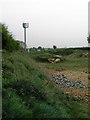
{"points": [[29, 93]]}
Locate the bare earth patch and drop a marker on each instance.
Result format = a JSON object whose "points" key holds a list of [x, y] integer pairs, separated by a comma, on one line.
{"points": [[74, 75]]}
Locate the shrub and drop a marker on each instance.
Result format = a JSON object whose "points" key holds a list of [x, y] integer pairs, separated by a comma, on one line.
{"points": [[8, 41]]}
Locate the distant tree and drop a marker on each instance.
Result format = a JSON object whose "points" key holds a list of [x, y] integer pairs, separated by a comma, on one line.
{"points": [[54, 47], [39, 47], [8, 41]]}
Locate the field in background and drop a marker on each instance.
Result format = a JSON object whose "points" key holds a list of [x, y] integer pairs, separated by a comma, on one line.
{"points": [[72, 59]]}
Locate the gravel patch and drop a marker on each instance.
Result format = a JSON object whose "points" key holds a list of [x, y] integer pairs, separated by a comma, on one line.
{"points": [[66, 82]]}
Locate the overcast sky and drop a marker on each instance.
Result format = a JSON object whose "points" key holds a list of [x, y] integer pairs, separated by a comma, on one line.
{"points": [[63, 23]]}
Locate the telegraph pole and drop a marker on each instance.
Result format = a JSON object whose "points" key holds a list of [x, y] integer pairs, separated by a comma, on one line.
{"points": [[25, 25]]}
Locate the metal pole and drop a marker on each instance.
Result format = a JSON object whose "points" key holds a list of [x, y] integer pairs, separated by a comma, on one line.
{"points": [[25, 25], [25, 37]]}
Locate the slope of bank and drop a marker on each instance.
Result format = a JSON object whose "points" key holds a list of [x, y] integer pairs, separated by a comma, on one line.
{"points": [[29, 93]]}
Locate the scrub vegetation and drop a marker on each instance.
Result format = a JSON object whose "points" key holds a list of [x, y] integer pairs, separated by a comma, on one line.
{"points": [[28, 92]]}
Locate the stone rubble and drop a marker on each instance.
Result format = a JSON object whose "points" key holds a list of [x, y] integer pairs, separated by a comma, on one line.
{"points": [[64, 81]]}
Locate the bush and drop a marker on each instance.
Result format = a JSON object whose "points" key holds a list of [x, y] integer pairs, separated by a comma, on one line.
{"points": [[8, 41]]}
